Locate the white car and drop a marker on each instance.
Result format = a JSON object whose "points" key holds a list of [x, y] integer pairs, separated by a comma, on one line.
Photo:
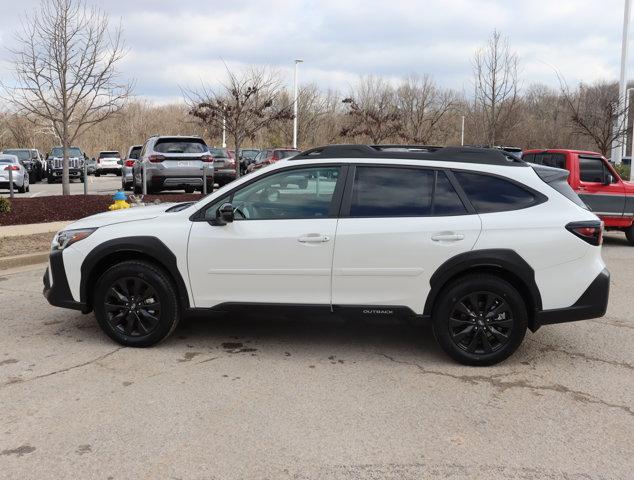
{"points": [[12, 169], [478, 242], [108, 162]]}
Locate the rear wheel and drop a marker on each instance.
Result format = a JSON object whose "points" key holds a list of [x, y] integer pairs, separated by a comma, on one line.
{"points": [[629, 234], [479, 320], [189, 189], [136, 304]]}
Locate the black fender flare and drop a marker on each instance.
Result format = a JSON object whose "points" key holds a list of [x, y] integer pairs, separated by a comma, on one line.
{"points": [[505, 260], [146, 247]]}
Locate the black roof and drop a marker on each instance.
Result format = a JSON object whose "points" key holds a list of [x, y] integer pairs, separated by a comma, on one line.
{"points": [[489, 156]]}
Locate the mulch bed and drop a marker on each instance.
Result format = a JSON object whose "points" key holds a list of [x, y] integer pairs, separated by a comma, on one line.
{"points": [[60, 208]]}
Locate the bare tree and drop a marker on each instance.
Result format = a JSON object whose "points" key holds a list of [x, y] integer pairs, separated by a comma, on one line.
{"points": [[422, 107], [372, 111], [594, 112], [65, 71], [496, 85], [245, 103]]}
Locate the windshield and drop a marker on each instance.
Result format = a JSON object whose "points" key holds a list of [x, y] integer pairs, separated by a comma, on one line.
{"points": [[173, 145], [250, 153], [285, 153], [72, 152], [219, 152], [109, 155], [21, 154], [135, 152]]}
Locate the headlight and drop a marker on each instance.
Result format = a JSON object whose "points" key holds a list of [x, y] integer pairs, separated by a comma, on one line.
{"points": [[67, 237]]}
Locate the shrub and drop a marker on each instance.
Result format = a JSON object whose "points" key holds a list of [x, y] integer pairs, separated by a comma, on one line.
{"points": [[5, 205], [623, 171]]}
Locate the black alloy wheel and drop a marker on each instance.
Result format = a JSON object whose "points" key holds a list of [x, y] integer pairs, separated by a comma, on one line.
{"points": [[136, 303], [481, 322], [479, 319], [132, 307]]}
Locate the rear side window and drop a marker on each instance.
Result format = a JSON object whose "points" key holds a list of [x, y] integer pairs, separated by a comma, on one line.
{"points": [[135, 152], [557, 160], [493, 194], [177, 145], [403, 192], [279, 154], [592, 169]]}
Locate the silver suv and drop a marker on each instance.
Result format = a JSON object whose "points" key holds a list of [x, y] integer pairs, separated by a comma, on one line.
{"points": [[173, 163]]}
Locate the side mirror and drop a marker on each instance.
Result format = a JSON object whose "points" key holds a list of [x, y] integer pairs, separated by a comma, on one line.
{"points": [[224, 215], [608, 179]]}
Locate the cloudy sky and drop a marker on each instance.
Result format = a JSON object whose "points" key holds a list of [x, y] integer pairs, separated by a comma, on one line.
{"points": [[175, 44]]}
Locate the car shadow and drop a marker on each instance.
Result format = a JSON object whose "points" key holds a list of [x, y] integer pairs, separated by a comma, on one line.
{"points": [[302, 332]]}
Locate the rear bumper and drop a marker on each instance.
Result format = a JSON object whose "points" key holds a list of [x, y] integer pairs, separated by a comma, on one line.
{"points": [[169, 182], [224, 176], [592, 304], [58, 293]]}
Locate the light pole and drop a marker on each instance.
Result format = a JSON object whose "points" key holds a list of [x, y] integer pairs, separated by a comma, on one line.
{"points": [[297, 62], [224, 133], [626, 121], [462, 132], [616, 143]]}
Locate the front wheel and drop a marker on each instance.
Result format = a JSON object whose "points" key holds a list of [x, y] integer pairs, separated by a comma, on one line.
{"points": [[479, 320], [136, 304]]}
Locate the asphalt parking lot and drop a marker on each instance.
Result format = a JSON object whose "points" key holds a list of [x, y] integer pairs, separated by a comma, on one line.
{"points": [[106, 184], [311, 398]]}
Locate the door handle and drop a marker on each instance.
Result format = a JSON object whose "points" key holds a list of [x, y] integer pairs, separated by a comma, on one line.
{"points": [[447, 237], [313, 238]]}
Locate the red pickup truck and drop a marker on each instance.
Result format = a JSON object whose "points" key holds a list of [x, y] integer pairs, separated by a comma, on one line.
{"points": [[596, 182]]}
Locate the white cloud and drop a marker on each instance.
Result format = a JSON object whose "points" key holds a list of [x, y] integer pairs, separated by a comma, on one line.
{"points": [[178, 44]]}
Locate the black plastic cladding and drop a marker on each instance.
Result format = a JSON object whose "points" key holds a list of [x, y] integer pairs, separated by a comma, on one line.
{"points": [[488, 156]]}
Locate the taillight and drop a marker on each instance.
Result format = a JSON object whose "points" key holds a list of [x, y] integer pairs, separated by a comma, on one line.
{"points": [[230, 162], [129, 163], [590, 231], [12, 167], [207, 158], [156, 158]]}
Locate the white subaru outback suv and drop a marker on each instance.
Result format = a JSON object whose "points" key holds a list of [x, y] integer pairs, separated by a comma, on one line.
{"points": [[475, 240]]}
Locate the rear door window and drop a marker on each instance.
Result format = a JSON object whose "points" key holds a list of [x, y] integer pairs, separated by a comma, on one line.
{"points": [[403, 192], [494, 194]]}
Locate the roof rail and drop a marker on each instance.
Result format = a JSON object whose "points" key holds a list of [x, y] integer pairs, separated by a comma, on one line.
{"points": [[490, 156]]}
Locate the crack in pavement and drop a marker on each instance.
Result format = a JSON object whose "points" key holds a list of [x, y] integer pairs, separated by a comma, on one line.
{"points": [[553, 348], [64, 370], [495, 382]]}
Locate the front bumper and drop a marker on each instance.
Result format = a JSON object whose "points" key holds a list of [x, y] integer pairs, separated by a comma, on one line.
{"points": [[72, 173], [592, 304], [58, 293]]}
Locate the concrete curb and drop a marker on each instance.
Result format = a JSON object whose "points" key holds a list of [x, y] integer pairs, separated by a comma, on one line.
{"points": [[15, 261], [32, 228]]}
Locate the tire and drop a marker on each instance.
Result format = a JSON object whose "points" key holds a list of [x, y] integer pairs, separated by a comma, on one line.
{"points": [[127, 186], [629, 234], [129, 279], [23, 188], [97, 174], [136, 189], [189, 189], [50, 179], [456, 327]]}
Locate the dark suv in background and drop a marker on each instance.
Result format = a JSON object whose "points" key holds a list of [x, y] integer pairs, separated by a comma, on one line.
{"points": [[270, 156], [224, 166], [54, 163], [173, 163]]}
